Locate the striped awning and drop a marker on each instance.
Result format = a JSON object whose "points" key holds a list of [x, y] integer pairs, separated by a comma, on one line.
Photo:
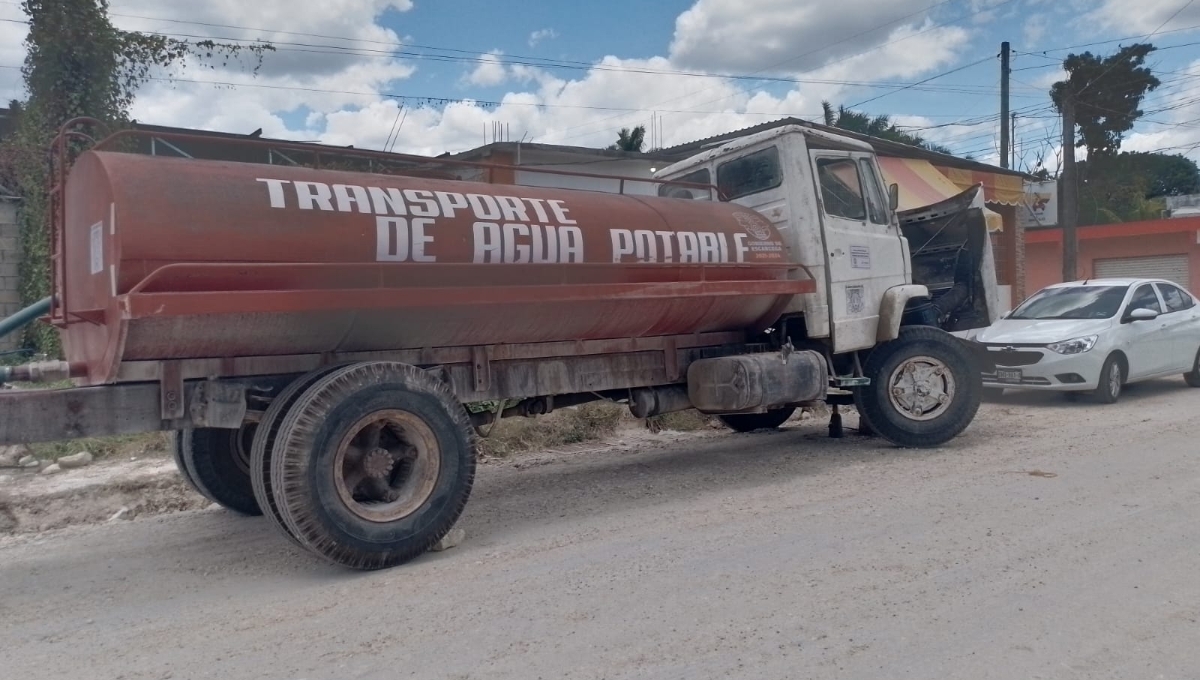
{"points": [[921, 184], [997, 188]]}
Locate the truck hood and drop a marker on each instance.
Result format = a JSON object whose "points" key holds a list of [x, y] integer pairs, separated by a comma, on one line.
{"points": [[1040, 331]]}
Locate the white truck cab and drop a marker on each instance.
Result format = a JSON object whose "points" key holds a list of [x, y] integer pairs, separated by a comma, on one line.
{"points": [[873, 266]]}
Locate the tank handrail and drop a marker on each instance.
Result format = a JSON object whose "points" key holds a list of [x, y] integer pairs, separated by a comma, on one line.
{"points": [[701, 268], [319, 150]]}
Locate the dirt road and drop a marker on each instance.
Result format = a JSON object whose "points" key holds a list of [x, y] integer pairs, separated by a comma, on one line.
{"points": [[780, 555]]}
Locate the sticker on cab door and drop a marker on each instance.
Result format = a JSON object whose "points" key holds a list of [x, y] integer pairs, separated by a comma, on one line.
{"points": [[97, 247], [860, 257], [855, 299]]}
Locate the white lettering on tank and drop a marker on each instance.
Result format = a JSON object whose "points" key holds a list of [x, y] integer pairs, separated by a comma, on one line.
{"points": [[710, 249], [513, 251], [545, 244], [622, 243], [451, 202], [668, 251], [484, 207], [647, 245], [387, 201], [275, 191], [689, 246], [487, 242], [310, 193], [560, 212], [517, 243], [539, 208], [391, 239], [739, 243], [514, 211], [396, 240], [348, 195], [724, 247], [422, 197], [570, 244]]}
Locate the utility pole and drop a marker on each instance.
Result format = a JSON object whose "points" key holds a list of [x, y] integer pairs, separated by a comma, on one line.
{"points": [[1005, 141], [1013, 141], [1067, 196]]}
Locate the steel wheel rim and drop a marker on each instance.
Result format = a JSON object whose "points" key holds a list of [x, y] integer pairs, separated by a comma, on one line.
{"points": [[386, 466], [1114, 379], [921, 388]]}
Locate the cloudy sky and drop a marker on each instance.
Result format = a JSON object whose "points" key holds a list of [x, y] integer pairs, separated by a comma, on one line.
{"points": [[434, 75]]}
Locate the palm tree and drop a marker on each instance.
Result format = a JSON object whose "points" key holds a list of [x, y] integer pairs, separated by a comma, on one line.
{"points": [[880, 126], [630, 140]]}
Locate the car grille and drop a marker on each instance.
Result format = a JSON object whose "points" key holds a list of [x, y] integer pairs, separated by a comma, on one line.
{"points": [[1014, 357]]}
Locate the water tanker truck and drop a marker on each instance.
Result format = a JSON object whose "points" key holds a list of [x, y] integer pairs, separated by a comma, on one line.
{"points": [[320, 338]]}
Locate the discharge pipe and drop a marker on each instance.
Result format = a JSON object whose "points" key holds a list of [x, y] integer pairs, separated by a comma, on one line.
{"points": [[24, 317]]}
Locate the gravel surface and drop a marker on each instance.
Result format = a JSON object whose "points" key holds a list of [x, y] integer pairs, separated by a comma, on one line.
{"points": [[1051, 540]]}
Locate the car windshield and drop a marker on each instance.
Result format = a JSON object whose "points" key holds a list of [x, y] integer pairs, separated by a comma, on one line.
{"points": [[1075, 302]]}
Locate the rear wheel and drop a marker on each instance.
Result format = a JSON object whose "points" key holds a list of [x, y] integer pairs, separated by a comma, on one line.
{"points": [[1192, 378], [373, 465], [749, 422], [925, 388], [1112, 380], [264, 445], [217, 462]]}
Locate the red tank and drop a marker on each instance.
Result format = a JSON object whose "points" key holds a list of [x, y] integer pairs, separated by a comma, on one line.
{"points": [[166, 258]]}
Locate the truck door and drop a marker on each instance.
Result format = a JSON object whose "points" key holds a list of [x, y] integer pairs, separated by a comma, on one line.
{"points": [[864, 251]]}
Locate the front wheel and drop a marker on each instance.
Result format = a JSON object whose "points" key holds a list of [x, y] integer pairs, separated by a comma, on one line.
{"points": [[925, 388], [749, 422], [1112, 380]]}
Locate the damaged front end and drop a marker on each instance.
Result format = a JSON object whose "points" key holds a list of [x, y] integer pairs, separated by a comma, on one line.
{"points": [[951, 255]]}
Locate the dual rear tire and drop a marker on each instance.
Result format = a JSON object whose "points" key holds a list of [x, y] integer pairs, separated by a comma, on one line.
{"points": [[367, 466]]}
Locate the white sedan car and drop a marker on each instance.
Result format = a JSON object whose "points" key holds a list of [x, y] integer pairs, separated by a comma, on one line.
{"points": [[1095, 336]]}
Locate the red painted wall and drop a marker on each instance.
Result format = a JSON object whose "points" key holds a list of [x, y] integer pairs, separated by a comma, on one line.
{"points": [[1043, 260]]}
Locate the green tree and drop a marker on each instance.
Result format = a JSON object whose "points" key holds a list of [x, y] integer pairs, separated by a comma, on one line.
{"points": [[1128, 187], [630, 140], [78, 64], [880, 126], [1107, 93]]}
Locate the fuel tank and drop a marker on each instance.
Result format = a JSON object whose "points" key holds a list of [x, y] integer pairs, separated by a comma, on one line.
{"points": [[172, 258]]}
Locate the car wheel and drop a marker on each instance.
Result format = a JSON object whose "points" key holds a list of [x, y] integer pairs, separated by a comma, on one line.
{"points": [[1192, 378], [1112, 380]]}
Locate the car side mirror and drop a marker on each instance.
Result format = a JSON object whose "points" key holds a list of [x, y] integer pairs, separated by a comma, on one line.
{"points": [[1142, 314], [893, 196]]}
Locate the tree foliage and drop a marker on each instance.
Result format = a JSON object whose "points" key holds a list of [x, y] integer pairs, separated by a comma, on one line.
{"points": [[78, 64], [1128, 187], [630, 140], [880, 126], [1107, 93]]}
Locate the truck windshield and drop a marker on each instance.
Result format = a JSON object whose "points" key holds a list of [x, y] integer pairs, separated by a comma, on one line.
{"points": [[1074, 302]]}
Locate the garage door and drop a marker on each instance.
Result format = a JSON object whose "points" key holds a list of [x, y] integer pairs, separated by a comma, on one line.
{"points": [[1173, 268]]}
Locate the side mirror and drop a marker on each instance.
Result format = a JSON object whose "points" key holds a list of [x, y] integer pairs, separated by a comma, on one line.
{"points": [[1143, 315], [893, 197]]}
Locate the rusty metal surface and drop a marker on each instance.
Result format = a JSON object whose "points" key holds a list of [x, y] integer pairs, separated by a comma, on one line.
{"points": [[184, 259]]}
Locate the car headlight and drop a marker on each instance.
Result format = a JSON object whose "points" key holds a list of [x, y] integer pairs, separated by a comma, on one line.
{"points": [[1075, 346]]}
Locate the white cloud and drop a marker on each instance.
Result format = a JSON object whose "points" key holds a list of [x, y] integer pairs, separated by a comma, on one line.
{"points": [[490, 71], [540, 35], [12, 52], [1035, 27], [1177, 131], [1144, 16], [781, 35]]}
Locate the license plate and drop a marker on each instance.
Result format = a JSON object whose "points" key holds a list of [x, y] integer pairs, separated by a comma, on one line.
{"points": [[1008, 376]]}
